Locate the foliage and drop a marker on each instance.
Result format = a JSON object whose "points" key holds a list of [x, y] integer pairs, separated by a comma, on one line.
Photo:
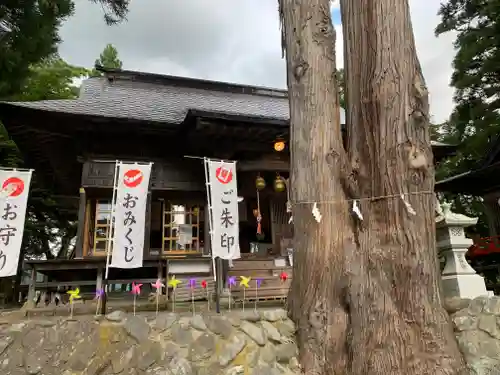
{"points": [[341, 87], [476, 119], [49, 228], [9, 153], [115, 11], [34, 26], [476, 77], [107, 59], [53, 78]]}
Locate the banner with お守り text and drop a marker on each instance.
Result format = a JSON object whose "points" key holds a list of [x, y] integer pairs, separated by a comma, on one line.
{"points": [[14, 190]]}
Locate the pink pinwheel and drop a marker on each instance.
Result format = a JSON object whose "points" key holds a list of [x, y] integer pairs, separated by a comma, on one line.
{"points": [[231, 281], [136, 288], [158, 285]]}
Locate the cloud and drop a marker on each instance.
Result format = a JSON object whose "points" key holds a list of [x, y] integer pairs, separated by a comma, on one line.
{"points": [[227, 40]]}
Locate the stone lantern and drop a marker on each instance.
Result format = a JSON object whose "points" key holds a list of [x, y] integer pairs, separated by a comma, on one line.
{"points": [[458, 277]]}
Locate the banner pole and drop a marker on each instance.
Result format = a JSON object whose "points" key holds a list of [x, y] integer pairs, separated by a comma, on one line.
{"points": [[110, 238], [215, 266]]}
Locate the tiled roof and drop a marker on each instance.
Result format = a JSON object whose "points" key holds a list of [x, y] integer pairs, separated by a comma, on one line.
{"points": [[163, 102]]}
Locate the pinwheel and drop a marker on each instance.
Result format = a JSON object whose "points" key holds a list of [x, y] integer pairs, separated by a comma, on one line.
{"points": [[231, 281], [73, 294], [158, 285], [244, 283], [192, 285], [283, 276], [99, 293], [136, 290], [204, 285], [258, 283], [173, 282]]}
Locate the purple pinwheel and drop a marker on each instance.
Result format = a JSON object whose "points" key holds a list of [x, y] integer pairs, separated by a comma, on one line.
{"points": [[99, 293], [231, 281], [258, 282], [192, 283]]}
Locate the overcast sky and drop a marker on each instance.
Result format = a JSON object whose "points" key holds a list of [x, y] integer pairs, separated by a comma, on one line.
{"points": [[229, 40]]}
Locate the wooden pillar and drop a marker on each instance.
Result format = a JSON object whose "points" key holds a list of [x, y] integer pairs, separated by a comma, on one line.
{"points": [[31, 288], [147, 229], [81, 224], [98, 282], [160, 276], [492, 211]]}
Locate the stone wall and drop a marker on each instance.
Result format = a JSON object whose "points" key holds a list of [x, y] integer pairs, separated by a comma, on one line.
{"points": [[236, 343], [477, 328], [246, 343]]}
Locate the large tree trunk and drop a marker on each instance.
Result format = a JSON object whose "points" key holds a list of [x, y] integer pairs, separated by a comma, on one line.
{"points": [[365, 294], [398, 324], [317, 299]]}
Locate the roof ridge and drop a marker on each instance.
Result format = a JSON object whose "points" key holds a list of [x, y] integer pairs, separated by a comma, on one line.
{"points": [[204, 84]]}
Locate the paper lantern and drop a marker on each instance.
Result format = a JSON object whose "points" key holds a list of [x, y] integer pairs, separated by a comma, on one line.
{"points": [[260, 183], [279, 184], [279, 145]]}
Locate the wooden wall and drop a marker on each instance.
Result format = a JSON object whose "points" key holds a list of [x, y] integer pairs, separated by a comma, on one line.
{"points": [[183, 174]]}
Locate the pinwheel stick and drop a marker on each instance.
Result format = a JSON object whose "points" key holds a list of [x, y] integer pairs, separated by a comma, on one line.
{"points": [[244, 298], [173, 300], [98, 305], [208, 299], [230, 298], [135, 300], [71, 306], [192, 299], [158, 290], [256, 294]]}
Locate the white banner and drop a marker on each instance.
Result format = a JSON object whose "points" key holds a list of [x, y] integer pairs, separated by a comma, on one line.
{"points": [[130, 215], [14, 192], [223, 191]]}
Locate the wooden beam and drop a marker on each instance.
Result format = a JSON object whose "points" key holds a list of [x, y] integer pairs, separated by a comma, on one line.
{"points": [[147, 229], [263, 165], [81, 224]]}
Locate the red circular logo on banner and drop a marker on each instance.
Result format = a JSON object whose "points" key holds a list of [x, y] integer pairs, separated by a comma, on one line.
{"points": [[14, 186], [224, 175], [133, 178]]}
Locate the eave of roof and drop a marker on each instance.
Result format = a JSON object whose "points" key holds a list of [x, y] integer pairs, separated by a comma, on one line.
{"points": [[477, 182]]}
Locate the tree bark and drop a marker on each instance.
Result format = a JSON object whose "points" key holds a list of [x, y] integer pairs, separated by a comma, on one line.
{"points": [[397, 322], [365, 293], [318, 170]]}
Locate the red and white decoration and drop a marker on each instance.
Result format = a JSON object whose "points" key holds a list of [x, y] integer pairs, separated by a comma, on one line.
{"points": [[13, 202], [132, 186], [222, 190]]}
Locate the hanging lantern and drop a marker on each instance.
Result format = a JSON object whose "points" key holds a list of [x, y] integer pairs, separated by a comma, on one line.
{"points": [[260, 183], [279, 145], [279, 184]]}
